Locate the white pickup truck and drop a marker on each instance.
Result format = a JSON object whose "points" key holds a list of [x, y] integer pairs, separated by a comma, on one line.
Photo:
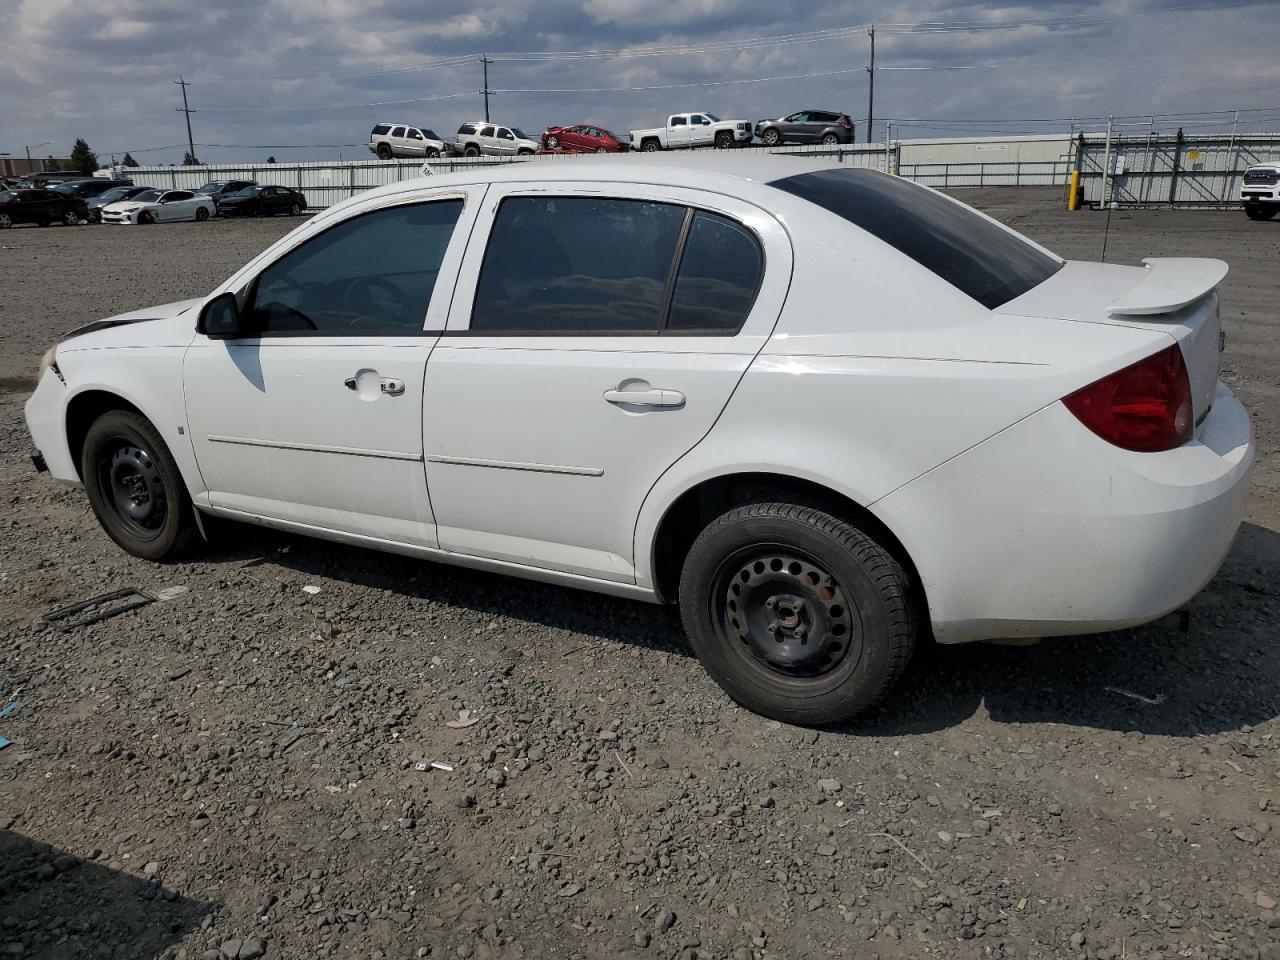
{"points": [[687, 130], [1260, 191]]}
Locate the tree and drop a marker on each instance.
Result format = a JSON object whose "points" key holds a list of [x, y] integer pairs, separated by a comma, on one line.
{"points": [[83, 159], [189, 161], [271, 159], [128, 160]]}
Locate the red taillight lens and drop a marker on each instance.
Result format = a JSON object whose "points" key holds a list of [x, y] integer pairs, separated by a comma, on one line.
{"points": [[1144, 407], [846, 122]]}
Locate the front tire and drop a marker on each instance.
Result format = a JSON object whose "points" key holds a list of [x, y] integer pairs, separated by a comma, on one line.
{"points": [[71, 218], [146, 217], [771, 137], [650, 146], [795, 613], [135, 488], [724, 140], [201, 214], [1257, 211], [6, 221]]}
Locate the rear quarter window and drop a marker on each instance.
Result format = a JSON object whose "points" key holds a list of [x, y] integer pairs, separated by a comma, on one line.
{"points": [[976, 256], [380, 130]]}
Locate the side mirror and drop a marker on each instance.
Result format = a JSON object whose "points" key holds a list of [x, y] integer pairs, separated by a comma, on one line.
{"points": [[220, 318]]}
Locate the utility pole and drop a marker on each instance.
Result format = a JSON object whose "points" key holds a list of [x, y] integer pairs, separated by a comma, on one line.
{"points": [[871, 83], [188, 111], [484, 59]]}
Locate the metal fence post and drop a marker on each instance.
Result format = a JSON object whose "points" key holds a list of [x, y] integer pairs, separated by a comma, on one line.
{"points": [[1177, 165], [1106, 167]]}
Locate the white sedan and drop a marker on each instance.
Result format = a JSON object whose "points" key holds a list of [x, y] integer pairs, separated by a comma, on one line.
{"points": [[826, 411], [159, 206]]}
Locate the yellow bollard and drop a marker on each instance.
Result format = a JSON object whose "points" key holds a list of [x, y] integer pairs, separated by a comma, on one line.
{"points": [[1073, 198]]}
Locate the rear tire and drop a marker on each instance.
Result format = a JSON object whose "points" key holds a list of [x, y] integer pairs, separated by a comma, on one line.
{"points": [[295, 210], [135, 488], [384, 151], [471, 150], [796, 614], [830, 139], [1257, 211]]}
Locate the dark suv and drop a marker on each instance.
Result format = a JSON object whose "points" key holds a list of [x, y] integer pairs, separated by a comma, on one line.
{"points": [[807, 126], [87, 189], [41, 206]]}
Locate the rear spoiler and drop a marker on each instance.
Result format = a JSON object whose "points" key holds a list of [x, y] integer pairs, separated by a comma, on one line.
{"points": [[1170, 284]]}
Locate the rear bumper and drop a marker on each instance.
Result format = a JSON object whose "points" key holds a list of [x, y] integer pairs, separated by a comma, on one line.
{"points": [[1046, 530]]}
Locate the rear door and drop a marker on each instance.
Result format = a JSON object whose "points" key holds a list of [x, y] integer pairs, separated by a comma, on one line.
{"points": [[578, 364], [678, 131]]}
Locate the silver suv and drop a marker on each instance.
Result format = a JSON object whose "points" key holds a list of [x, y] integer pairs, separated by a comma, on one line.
{"points": [[476, 137], [390, 140]]}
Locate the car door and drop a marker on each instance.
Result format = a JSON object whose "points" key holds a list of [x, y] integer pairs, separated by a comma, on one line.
{"points": [[700, 134], [796, 128], [177, 205], [415, 144], [678, 131], [505, 142], [315, 418], [574, 371], [397, 140], [271, 200]]}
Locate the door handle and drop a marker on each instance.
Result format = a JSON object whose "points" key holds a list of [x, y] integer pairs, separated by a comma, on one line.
{"points": [[391, 386], [645, 398]]}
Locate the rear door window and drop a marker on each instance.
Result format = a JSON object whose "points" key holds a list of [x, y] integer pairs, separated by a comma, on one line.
{"points": [[976, 256], [718, 278], [398, 132], [577, 265]]}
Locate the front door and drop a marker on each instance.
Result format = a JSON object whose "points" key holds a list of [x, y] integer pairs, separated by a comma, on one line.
{"points": [[579, 363], [316, 418]]}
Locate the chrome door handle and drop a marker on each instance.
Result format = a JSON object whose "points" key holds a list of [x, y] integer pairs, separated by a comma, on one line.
{"points": [[645, 398], [391, 386]]}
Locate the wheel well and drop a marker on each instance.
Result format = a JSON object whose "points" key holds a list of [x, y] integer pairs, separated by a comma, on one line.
{"points": [[698, 506], [85, 408]]}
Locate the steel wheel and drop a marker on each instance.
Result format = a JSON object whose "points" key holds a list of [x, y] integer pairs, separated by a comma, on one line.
{"points": [[133, 488], [790, 615]]}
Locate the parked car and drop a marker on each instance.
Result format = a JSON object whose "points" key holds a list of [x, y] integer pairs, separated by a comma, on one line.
{"points": [[41, 207], [807, 126], [260, 201], [89, 188], [582, 138], [219, 190], [477, 137], [651, 354], [114, 195], [47, 178], [160, 206], [389, 140], [1260, 191], [687, 130]]}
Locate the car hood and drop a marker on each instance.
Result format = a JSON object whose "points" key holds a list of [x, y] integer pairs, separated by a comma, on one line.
{"points": [[169, 324]]}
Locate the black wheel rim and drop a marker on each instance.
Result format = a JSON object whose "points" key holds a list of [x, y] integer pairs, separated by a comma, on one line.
{"points": [[786, 612], [132, 488]]}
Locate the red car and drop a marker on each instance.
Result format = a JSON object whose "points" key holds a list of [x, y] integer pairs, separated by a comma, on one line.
{"points": [[583, 138]]}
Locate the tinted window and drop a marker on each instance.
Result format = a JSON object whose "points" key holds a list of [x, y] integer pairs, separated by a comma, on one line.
{"points": [[173, 195], [678, 121], [430, 134], [147, 196], [504, 134], [978, 257], [379, 130], [398, 132], [466, 129], [718, 278], [487, 132], [414, 134], [372, 274], [577, 264]]}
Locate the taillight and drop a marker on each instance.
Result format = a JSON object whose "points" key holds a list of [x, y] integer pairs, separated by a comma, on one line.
{"points": [[1144, 407], [846, 122]]}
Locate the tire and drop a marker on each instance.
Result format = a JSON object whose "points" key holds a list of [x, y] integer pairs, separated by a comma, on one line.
{"points": [[201, 214], [471, 150], [1256, 211], [524, 152], [70, 218], [553, 142], [830, 139], [760, 598], [146, 217], [433, 153], [384, 151], [601, 150], [771, 137], [6, 221], [135, 488], [650, 146], [724, 140], [295, 210]]}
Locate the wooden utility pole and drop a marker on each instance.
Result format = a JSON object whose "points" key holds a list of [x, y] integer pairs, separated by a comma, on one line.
{"points": [[871, 83], [484, 59], [188, 111]]}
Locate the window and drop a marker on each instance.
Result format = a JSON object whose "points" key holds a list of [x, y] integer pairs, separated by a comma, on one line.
{"points": [[718, 277], [679, 121], [487, 132], [466, 129], [175, 195], [379, 130], [980, 258], [414, 134], [504, 134], [568, 264], [397, 132], [801, 117], [372, 274], [700, 121]]}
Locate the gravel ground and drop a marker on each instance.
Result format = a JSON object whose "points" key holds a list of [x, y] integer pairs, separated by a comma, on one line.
{"points": [[231, 772]]}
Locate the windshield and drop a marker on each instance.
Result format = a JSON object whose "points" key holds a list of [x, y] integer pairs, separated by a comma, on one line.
{"points": [[65, 187], [520, 134], [975, 255], [430, 134], [115, 193], [147, 196]]}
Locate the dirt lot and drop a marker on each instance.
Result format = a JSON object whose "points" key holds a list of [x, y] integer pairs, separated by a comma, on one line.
{"points": [[231, 772]]}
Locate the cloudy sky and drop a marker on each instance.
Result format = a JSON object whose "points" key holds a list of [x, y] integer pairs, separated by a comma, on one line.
{"points": [[306, 79]]}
